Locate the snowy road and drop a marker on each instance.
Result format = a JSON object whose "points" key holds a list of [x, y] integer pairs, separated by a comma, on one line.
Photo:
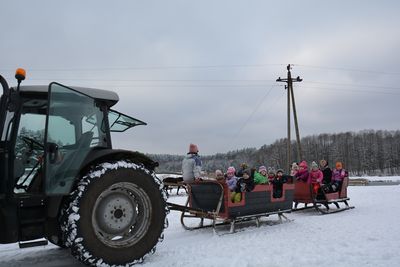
{"points": [[368, 235]]}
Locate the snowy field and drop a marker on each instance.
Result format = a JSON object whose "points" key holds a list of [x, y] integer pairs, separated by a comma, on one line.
{"points": [[368, 235]]}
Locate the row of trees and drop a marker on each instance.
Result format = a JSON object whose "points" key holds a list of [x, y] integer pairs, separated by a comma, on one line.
{"points": [[367, 152]]}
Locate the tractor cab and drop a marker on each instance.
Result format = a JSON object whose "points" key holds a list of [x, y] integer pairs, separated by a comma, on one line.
{"points": [[50, 130], [49, 136]]}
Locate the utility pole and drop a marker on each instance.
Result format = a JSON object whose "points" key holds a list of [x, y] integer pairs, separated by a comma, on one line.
{"points": [[296, 125], [289, 81]]}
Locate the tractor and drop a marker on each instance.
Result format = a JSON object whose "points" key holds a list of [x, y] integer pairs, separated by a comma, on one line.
{"points": [[62, 181]]}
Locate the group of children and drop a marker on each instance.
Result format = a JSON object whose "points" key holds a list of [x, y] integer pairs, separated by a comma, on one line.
{"points": [[321, 177], [244, 180]]}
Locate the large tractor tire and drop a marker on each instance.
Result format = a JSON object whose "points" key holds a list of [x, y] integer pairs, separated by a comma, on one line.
{"points": [[117, 215], [58, 237]]}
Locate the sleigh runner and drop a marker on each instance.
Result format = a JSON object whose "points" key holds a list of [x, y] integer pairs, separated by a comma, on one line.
{"points": [[210, 200]]}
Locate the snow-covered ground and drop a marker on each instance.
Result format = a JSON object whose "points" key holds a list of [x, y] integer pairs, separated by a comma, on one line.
{"points": [[368, 235]]}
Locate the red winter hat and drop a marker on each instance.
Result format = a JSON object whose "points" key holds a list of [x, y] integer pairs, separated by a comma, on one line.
{"points": [[193, 148]]}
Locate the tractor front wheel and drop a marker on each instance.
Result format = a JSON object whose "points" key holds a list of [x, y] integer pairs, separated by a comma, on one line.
{"points": [[117, 215]]}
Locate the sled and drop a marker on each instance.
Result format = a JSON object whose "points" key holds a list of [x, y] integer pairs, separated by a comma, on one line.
{"points": [[320, 201], [173, 182], [211, 201]]}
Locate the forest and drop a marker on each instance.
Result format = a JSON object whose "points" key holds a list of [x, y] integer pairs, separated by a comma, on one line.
{"points": [[368, 152]]}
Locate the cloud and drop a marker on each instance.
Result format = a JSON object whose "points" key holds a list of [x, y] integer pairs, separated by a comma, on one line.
{"points": [[197, 71]]}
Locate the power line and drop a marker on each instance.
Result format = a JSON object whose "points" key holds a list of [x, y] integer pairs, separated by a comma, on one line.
{"points": [[210, 80], [347, 69], [221, 66], [252, 114], [354, 85], [154, 80], [150, 67], [355, 91]]}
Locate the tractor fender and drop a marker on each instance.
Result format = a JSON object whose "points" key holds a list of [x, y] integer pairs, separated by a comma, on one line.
{"points": [[100, 155]]}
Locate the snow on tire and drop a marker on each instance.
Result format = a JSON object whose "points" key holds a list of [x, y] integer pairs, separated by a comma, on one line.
{"points": [[117, 215]]}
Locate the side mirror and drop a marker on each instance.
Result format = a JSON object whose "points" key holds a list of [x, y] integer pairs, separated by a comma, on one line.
{"points": [[52, 149]]}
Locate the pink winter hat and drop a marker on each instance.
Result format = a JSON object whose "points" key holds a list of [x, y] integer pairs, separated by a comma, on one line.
{"points": [[262, 168], [193, 148], [303, 164], [231, 170]]}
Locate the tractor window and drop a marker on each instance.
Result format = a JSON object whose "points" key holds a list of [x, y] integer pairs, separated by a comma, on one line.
{"points": [[73, 129], [7, 126], [29, 150], [63, 131], [120, 122]]}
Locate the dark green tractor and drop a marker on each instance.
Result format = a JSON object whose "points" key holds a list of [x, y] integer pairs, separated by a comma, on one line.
{"points": [[61, 180]]}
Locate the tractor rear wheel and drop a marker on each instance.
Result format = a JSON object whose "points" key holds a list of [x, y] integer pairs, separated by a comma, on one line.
{"points": [[117, 215]]}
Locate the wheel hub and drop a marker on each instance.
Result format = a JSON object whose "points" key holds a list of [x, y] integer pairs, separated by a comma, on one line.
{"points": [[121, 215], [116, 212]]}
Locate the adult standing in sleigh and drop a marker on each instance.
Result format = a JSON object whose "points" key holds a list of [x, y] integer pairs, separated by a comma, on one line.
{"points": [[191, 165]]}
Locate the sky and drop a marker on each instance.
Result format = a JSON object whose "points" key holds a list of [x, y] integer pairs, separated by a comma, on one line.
{"points": [[205, 72]]}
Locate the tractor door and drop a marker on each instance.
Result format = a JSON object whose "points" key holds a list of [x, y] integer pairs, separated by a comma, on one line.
{"points": [[74, 126]]}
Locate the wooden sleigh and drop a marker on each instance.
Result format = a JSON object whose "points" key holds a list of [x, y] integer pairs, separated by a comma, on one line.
{"points": [[211, 201], [321, 201]]}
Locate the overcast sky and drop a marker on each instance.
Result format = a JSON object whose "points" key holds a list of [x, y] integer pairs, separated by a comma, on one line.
{"points": [[204, 71]]}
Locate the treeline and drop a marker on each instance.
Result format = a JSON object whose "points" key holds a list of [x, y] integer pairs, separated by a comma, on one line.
{"points": [[366, 152]]}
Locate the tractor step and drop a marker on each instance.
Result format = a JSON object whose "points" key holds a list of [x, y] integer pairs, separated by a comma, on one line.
{"points": [[30, 244]]}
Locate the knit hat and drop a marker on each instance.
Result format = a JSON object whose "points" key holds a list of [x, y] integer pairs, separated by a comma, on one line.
{"points": [[339, 165], [295, 166], [193, 148], [303, 164], [231, 170], [218, 172], [271, 170], [279, 170], [262, 168], [314, 165]]}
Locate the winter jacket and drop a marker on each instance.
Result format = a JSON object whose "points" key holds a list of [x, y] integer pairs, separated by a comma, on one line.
{"points": [[302, 175], [239, 173], [270, 178], [231, 182], [278, 186], [338, 175], [327, 172], [259, 178], [191, 167], [315, 176], [245, 185]]}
